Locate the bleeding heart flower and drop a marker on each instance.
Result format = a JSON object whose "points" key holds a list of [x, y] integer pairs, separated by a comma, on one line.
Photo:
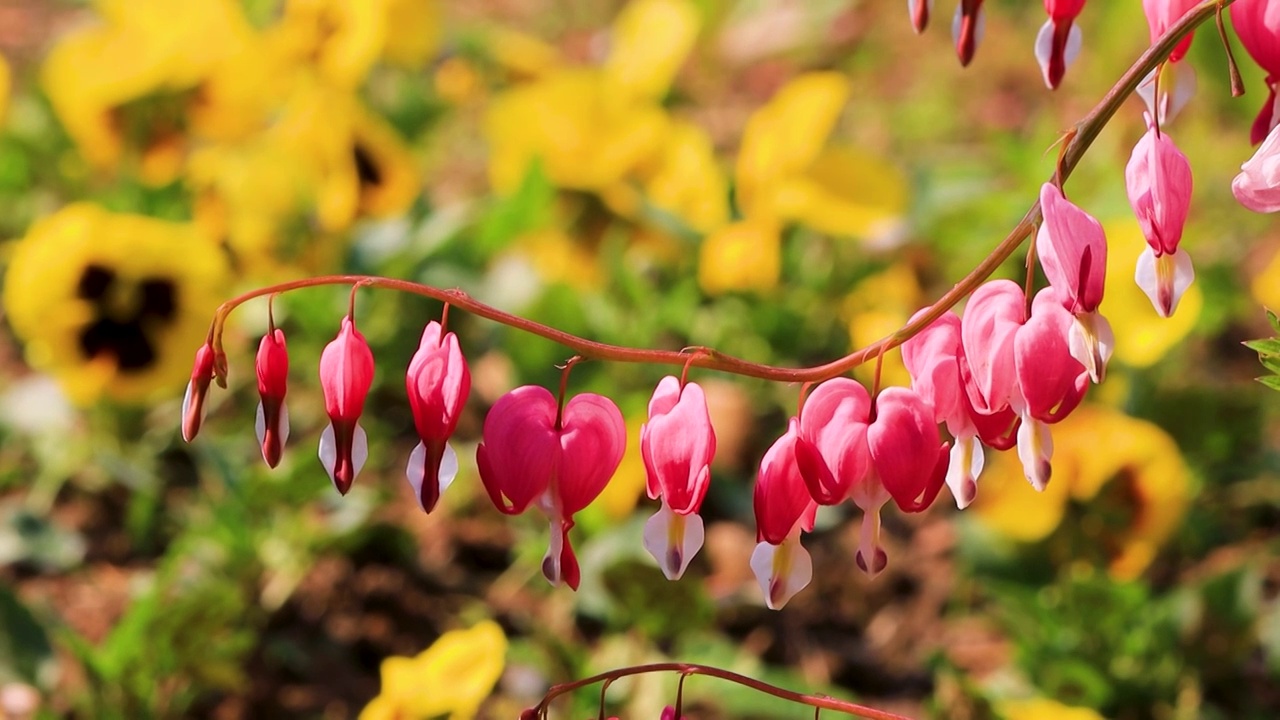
{"points": [[1257, 187], [197, 392], [438, 383], [1059, 40], [1158, 179], [677, 445], [992, 317], [533, 452], [1257, 23], [783, 508], [967, 28], [1073, 252], [908, 457], [831, 446], [272, 368], [919, 11], [346, 374]]}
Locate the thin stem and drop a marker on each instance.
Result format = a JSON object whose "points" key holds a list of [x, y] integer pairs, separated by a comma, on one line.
{"points": [[1233, 70], [564, 387], [821, 702], [1078, 141]]}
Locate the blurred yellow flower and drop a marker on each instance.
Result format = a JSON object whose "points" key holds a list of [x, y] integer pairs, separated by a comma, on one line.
{"points": [[878, 305], [1044, 709], [1265, 286], [620, 496], [558, 258], [591, 128], [1142, 336], [785, 169], [744, 255], [128, 82], [413, 32], [6, 83], [1095, 447], [687, 181], [452, 677], [110, 304], [340, 40]]}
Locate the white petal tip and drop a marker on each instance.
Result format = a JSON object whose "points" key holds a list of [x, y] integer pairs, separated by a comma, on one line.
{"points": [[673, 540], [782, 571]]}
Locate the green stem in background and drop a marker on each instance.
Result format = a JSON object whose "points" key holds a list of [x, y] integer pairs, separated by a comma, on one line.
{"points": [[819, 702], [1077, 142]]}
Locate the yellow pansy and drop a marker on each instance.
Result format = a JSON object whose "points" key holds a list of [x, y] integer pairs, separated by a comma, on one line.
{"points": [[111, 304], [1142, 336], [451, 677], [1043, 709], [744, 255], [1094, 448], [880, 304], [786, 170], [592, 127], [128, 82]]}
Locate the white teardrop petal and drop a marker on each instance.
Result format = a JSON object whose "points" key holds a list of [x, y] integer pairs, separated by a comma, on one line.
{"points": [[329, 451], [416, 469], [782, 570], [964, 469], [1035, 450], [260, 426], [359, 450], [1044, 50], [448, 468]]}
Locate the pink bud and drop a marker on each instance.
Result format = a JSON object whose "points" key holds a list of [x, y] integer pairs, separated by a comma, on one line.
{"points": [[346, 374], [783, 508], [1257, 23], [967, 29], [438, 383], [272, 366], [197, 392], [1158, 179], [831, 447], [677, 445], [906, 452], [1257, 187], [563, 461], [1059, 40]]}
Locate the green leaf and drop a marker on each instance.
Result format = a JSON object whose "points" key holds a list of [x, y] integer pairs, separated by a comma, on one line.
{"points": [[1275, 321], [1271, 381], [1264, 346], [25, 650]]}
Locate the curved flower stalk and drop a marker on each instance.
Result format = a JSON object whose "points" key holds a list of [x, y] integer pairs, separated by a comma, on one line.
{"points": [[677, 445], [1158, 179], [783, 508], [1072, 247], [346, 374], [533, 452], [1058, 43], [438, 383]]}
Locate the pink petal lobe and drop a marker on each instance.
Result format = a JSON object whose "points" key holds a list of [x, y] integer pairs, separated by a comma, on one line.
{"points": [[831, 450], [520, 449], [780, 498], [677, 445], [593, 438], [991, 320]]}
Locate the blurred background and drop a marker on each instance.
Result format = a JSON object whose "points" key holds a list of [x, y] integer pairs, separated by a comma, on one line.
{"points": [[782, 180]]}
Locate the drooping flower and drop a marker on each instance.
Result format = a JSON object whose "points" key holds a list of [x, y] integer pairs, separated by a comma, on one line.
{"points": [[111, 304], [992, 317], [438, 382], [1257, 23], [1172, 84], [346, 374], [783, 508], [677, 445], [919, 11], [1072, 247], [272, 368], [967, 29], [453, 676], [934, 358], [1257, 187], [831, 447], [561, 460], [1158, 180], [197, 392], [1058, 42]]}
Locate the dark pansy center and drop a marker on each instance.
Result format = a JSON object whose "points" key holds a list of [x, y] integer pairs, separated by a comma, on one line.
{"points": [[366, 167], [125, 315]]}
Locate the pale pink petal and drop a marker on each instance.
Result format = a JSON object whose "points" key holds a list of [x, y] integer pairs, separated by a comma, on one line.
{"points": [[415, 471], [1164, 279], [1035, 450], [1057, 46], [1257, 187], [782, 570], [870, 557], [991, 320], [673, 540], [964, 468], [1092, 343], [677, 445], [1072, 248]]}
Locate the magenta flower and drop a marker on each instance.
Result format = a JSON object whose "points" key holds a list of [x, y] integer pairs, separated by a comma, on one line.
{"points": [[533, 452], [1059, 40], [831, 444], [934, 357], [677, 445], [783, 508], [1257, 23], [1257, 187], [272, 366], [1073, 252], [346, 374], [197, 392], [1158, 179], [438, 383], [967, 29]]}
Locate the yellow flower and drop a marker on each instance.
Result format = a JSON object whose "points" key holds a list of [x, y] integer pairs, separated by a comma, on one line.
{"points": [[1044, 709], [1265, 286], [6, 82], [413, 32], [687, 181], [340, 40], [1142, 336], [745, 255], [452, 676], [591, 128], [128, 83], [558, 258], [785, 169], [113, 305], [1094, 448]]}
